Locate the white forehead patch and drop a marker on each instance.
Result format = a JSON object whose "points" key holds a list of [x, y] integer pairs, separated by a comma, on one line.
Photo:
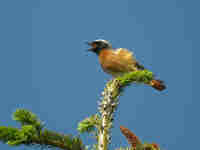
{"points": [[101, 40]]}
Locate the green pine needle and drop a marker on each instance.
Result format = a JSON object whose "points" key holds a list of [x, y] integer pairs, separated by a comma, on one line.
{"points": [[142, 76], [89, 124], [26, 117]]}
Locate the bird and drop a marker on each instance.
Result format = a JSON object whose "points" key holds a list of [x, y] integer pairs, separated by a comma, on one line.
{"points": [[119, 61]]}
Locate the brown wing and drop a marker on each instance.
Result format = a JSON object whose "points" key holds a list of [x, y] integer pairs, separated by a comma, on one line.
{"points": [[128, 57], [125, 54], [117, 62], [124, 59]]}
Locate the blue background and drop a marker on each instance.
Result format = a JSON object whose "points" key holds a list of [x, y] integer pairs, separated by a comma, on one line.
{"points": [[44, 66]]}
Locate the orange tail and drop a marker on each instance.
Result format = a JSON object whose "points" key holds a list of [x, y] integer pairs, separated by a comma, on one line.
{"points": [[158, 85]]}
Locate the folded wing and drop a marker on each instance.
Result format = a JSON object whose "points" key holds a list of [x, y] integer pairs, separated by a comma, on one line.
{"points": [[118, 62]]}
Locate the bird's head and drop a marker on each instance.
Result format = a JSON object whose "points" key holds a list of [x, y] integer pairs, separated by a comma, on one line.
{"points": [[98, 45]]}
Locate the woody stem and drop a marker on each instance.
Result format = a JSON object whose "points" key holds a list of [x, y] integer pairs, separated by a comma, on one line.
{"points": [[107, 108], [103, 140]]}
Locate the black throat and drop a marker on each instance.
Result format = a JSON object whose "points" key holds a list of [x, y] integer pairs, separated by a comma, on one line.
{"points": [[97, 50]]}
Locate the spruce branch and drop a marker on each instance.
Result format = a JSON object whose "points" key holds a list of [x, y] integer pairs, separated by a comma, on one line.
{"points": [[89, 124], [142, 76], [32, 132], [26, 117], [102, 122], [109, 102]]}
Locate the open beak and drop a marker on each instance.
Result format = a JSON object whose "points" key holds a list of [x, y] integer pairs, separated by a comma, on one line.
{"points": [[90, 44]]}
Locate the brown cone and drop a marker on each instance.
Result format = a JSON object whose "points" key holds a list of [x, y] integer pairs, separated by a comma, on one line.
{"points": [[133, 140]]}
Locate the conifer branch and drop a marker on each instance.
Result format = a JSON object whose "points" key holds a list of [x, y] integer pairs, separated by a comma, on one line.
{"points": [[32, 132], [108, 105], [109, 102]]}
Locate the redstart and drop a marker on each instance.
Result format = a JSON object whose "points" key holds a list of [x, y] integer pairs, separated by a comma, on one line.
{"points": [[117, 62]]}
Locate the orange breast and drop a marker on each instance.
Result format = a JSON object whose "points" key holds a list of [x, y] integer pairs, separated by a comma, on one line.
{"points": [[104, 55]]}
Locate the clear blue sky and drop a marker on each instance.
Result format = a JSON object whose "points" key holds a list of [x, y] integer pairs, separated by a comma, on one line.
{"points": [[45, 68]]}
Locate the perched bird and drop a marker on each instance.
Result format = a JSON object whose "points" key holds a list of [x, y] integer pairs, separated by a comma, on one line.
{"points": [[117, 62]]}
